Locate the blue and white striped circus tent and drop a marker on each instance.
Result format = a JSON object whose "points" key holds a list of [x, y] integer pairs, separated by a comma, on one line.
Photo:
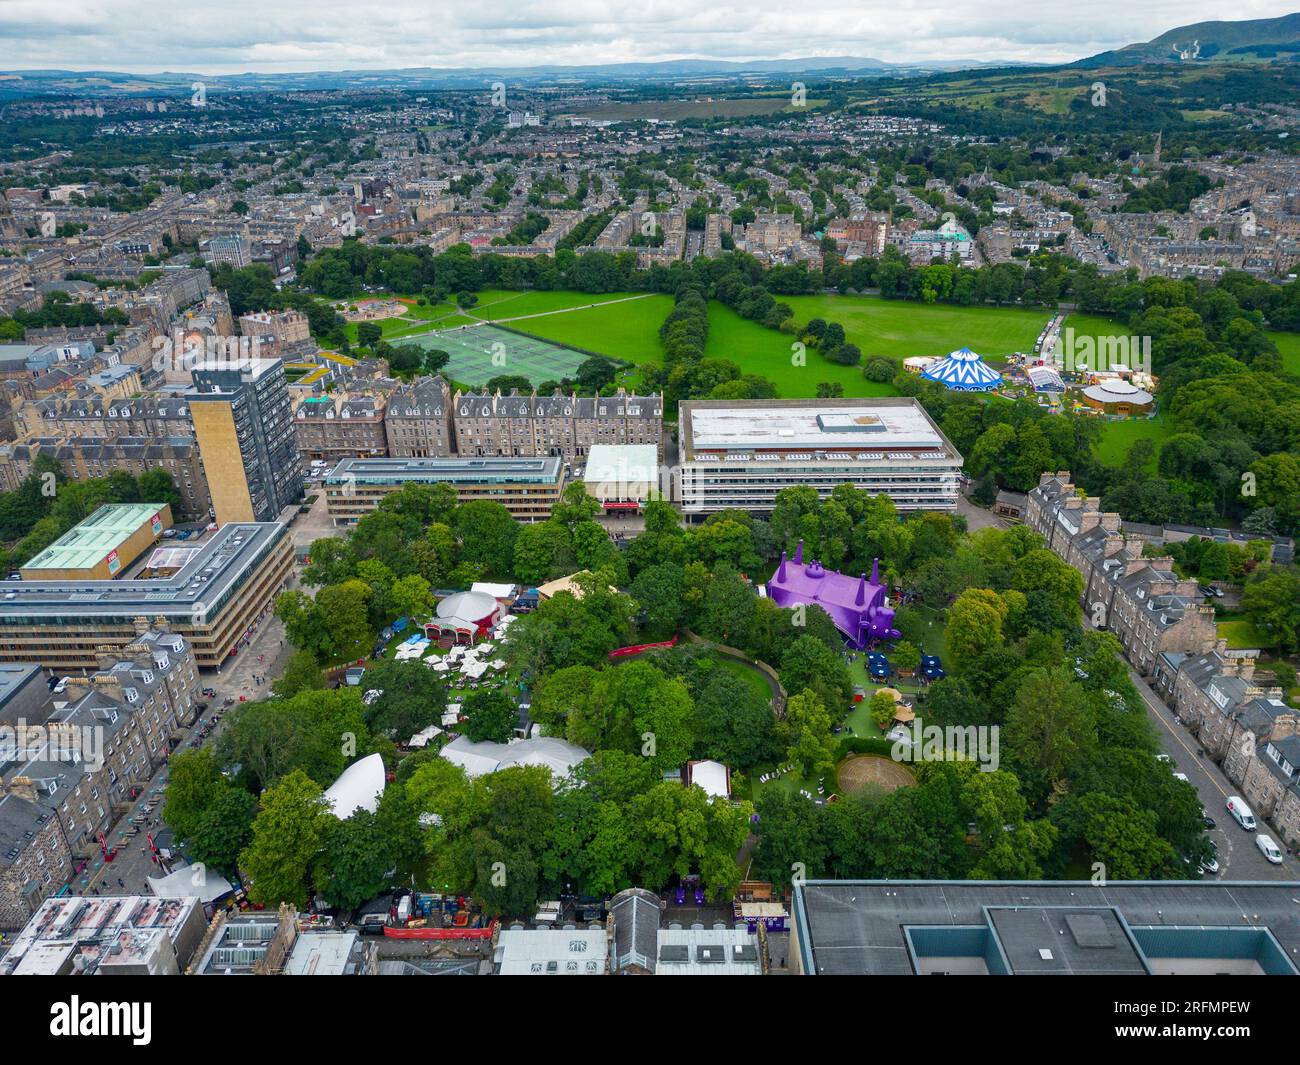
{"points": [[964, 371]]}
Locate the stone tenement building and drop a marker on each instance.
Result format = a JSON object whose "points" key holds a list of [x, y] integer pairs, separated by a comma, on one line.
{"points": [[1244, 724], [1140, 600], [1170, 637], [417, 423], [337, 426], [53, 806], [83, 459], [517, 426], [424, 420]]}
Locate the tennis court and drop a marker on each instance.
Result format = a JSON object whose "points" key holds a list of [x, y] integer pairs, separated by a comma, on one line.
{"points": [[482, 352]]}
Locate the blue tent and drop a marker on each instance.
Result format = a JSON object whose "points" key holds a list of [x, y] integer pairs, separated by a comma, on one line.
{"points": [[964, 371]]}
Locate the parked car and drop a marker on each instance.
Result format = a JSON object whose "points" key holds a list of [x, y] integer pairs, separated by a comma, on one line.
{"points": [[1210, 865], [1209, 822]]}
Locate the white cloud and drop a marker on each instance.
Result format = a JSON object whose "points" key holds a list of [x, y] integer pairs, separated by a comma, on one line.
{"points": [[229, 36]]}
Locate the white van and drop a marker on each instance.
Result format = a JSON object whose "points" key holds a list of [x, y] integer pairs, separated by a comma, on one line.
{"points": [[1269, 848], [1241, 812]]}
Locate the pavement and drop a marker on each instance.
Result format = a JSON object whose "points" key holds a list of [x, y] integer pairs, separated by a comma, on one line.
{"points": [[248, 674], [1239, 857]]}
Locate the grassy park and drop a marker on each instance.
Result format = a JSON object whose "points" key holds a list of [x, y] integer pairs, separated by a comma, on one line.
{"points": [[901, 328]]}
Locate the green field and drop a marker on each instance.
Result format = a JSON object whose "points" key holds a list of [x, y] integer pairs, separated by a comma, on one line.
{"points": [[1118, 436], [1288, 346], [1095, 325], [901, 328], [768, 353], [625, 326]]}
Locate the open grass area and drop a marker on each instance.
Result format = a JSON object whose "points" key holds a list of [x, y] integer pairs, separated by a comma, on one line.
{"points": [[901, 328], [768, 353], [1240, 634], [752, 679], [1288, 346], [1118, 436], [1095, 326]]}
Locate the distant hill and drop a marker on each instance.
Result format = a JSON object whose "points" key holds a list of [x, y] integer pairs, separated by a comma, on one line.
{"points": [[18, 83], [1263, 38]]}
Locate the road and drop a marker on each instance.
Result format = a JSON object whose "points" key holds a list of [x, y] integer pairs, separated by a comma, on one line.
{"points": [[242, 675], [1239, 858]]}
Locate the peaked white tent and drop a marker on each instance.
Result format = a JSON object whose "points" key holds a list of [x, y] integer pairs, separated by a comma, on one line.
{"points": [[358, 787]]}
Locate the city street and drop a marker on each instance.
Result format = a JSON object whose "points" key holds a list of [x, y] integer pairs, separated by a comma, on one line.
{"points": [[243, 675], [1239, 858]]}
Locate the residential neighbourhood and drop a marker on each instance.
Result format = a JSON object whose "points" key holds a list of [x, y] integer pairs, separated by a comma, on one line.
{"points": [[474, 512]]}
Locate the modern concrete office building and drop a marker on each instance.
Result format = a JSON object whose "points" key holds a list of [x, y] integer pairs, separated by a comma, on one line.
{"points": [[103, 546], [527, 487], [244, 426], [740, 453], [213, 601]]}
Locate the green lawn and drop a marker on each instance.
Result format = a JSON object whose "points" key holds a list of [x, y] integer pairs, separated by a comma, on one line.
{"points": [[901, 328], [768, 353], [1095, 326], [751, 678], [628, 329], [1240, 634], [1118, 436], [1288, 345], [496, 304]]}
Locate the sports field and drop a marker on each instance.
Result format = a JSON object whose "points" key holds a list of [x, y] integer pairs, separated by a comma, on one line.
{"points": [[622, 328], [482, 352]]}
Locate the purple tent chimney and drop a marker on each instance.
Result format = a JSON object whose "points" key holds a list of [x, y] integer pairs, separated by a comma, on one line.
{"points": [[780, 572], [875, 571], [862, 590], [798, 553]]}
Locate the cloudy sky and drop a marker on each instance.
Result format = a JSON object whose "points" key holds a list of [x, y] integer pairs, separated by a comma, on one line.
{"points": [[229, 36]]}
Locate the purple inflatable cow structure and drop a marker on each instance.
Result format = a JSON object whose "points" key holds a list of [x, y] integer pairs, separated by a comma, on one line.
{"points": [[857, 606]]}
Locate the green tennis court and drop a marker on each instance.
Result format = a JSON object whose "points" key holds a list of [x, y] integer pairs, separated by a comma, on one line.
{"points": [[482, 352]]}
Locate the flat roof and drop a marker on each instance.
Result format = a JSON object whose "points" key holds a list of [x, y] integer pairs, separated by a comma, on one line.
{"points": [[87, 544], [14, 677], [557, 951], [891, 424], [621, 462], [205, 581], [432, 470], [862, 926]]}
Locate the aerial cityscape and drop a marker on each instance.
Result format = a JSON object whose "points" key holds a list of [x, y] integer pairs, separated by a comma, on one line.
{"points": [[663, 497]]}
